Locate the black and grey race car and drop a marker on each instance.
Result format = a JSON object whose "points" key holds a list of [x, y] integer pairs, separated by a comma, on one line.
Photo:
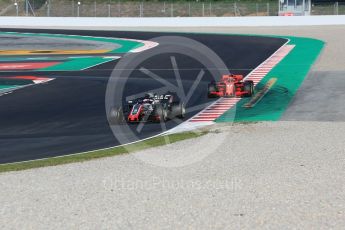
{"points": [[151, 107]]}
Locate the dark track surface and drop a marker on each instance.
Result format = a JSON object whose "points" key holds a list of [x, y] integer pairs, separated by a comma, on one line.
{"points": [[67, 115]]}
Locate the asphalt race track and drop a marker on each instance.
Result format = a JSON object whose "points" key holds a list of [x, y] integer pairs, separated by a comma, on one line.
{"points": [[68, 114]]}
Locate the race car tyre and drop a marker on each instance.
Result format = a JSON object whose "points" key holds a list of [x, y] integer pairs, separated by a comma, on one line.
{"points": [[234, 91], [249, 87], [178, 110], [116, 116], [162, 113], [211, 88], [182, 111]]}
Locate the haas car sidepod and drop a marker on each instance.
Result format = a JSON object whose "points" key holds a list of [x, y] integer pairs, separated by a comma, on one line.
{"points": [[231, 86], [151, 107]]}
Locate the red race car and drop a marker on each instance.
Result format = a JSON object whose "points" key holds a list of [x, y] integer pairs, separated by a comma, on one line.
{"points": [[231, 86]]}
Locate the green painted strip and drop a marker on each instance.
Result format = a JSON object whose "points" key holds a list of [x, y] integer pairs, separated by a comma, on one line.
{"points": [[125, 45], [290, 72], [78, 64], [8, 88], [259, 95], [2, 87]]}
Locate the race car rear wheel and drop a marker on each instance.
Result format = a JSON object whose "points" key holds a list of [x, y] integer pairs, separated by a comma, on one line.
{"points": [[248, 86], [178, 110], [116, 116], [182, 111]]}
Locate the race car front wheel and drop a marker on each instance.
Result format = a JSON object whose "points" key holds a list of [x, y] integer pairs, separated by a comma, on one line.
{"points": [[249, 88], [116, 116]]}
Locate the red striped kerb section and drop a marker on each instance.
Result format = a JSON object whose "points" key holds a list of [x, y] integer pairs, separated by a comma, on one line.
{"points": [[222, 105]]}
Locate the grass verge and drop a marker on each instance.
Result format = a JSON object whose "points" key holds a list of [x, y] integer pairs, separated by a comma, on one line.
{"points": [[80, 157]]}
